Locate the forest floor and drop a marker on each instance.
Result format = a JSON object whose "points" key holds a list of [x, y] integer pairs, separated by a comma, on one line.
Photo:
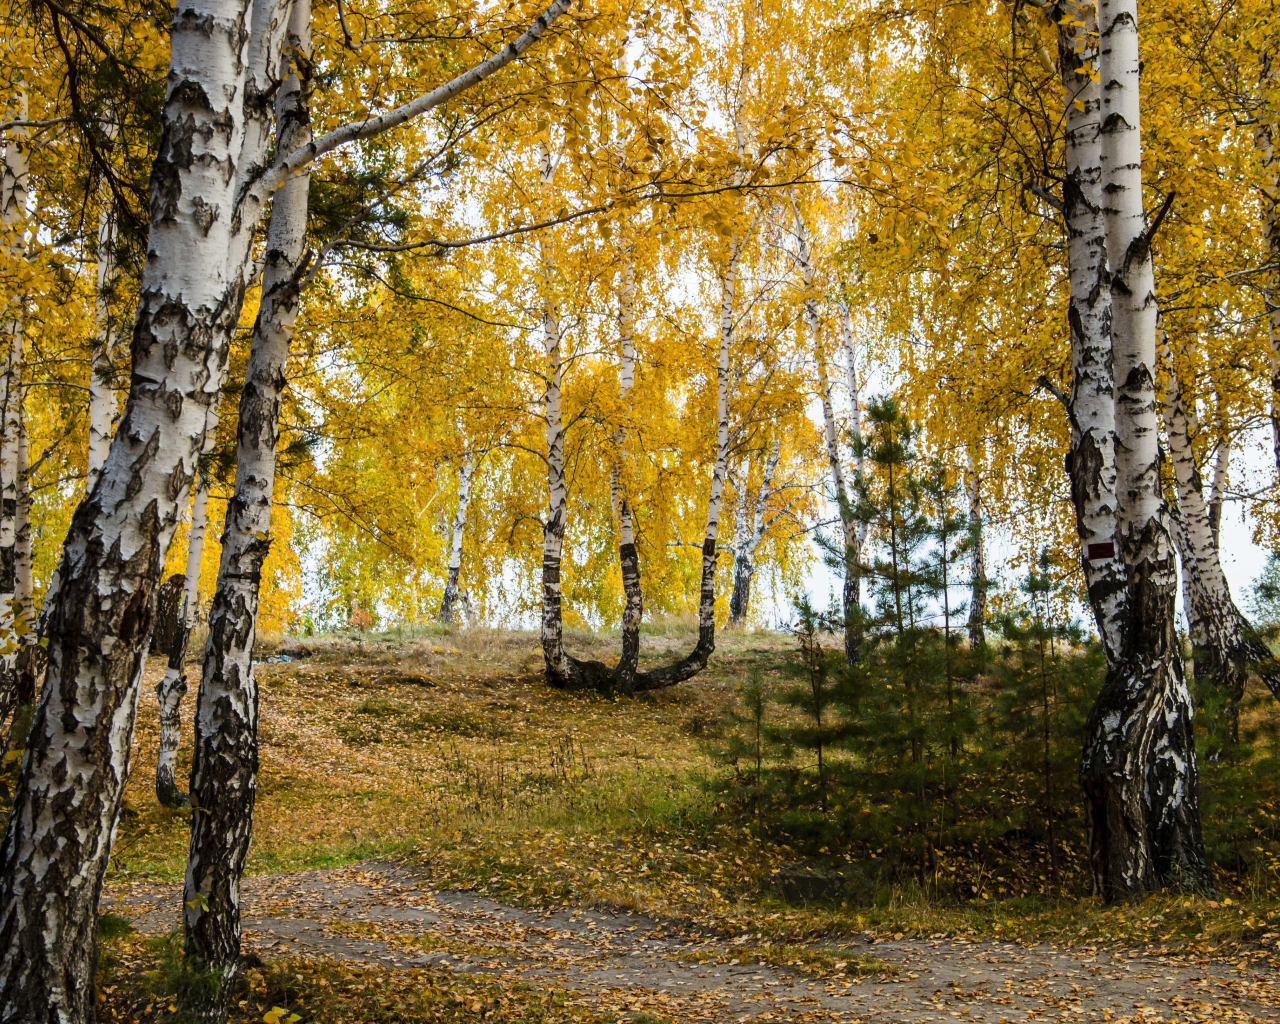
{"points": [[440, 837]]}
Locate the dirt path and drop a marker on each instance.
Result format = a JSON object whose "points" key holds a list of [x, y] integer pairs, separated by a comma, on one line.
{"points": [[380, 913]]}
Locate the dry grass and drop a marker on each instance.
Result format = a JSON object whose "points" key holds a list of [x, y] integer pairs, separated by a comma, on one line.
{"points": [[452, 752]]}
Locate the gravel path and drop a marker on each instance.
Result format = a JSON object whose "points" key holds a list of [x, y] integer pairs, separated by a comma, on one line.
{"points": [[380, 913]]}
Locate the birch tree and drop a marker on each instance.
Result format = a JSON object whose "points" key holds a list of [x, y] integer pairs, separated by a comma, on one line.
{"points": [[465, 472], [77, 755], [13, 224], [1138, 770], [619, 480], [210, 182], [173, 686], [750, 525], [1219, 630], [225, 758], [1091, 407], [106, 342], [977, 560]]}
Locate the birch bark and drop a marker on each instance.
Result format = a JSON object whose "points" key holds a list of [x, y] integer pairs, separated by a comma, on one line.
{"points": [[747, 540], [559, 671], [628, 557], [1091, 461], [102, 395], [465, 473], [14, 177], [225, 757], [72, 779], [29, 650], [849, 527], [1138, 770], [173, 687], [1224, 640], [1264, 140], [854, 599], [696, 660], [209, 183], [978, 561]]}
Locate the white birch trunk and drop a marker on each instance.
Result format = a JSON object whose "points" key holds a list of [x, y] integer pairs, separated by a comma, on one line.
{"points": [[1219, 630], [1264, 139], [1221, 468], [29, 651], [559, 671], [225, 756], [1091, 463], [106, 340], [77, 758], [855, 403], [173, 687], [1138, 771], [747, 536], [850, 598], [697, 659], [978, 560], [465, 473], [628, 556], [209, 183], [14, 178]]}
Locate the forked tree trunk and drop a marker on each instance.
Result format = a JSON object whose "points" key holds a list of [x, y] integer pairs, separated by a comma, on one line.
{"points": [[624, 675], [1225, 643], [747, 539], [835, 458], [977, 561], [465, 473], [1138, 770], [224, 770], [52, 863], [209, 184], [173, 686], [696, 660], [563, 671], [1091, 461]]}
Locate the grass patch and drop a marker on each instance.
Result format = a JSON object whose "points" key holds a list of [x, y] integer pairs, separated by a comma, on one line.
{"points": [[494, 782]]}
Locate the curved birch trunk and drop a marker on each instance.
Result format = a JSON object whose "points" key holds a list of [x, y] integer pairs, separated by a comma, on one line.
{"points": [[173, 687], [1226, 644], [102, 395], [52, 864], [1138, 769], [747, 540], [563, 671], [624, 675], [225, 757], [465, 473], [696, 660], [978, 562]]}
